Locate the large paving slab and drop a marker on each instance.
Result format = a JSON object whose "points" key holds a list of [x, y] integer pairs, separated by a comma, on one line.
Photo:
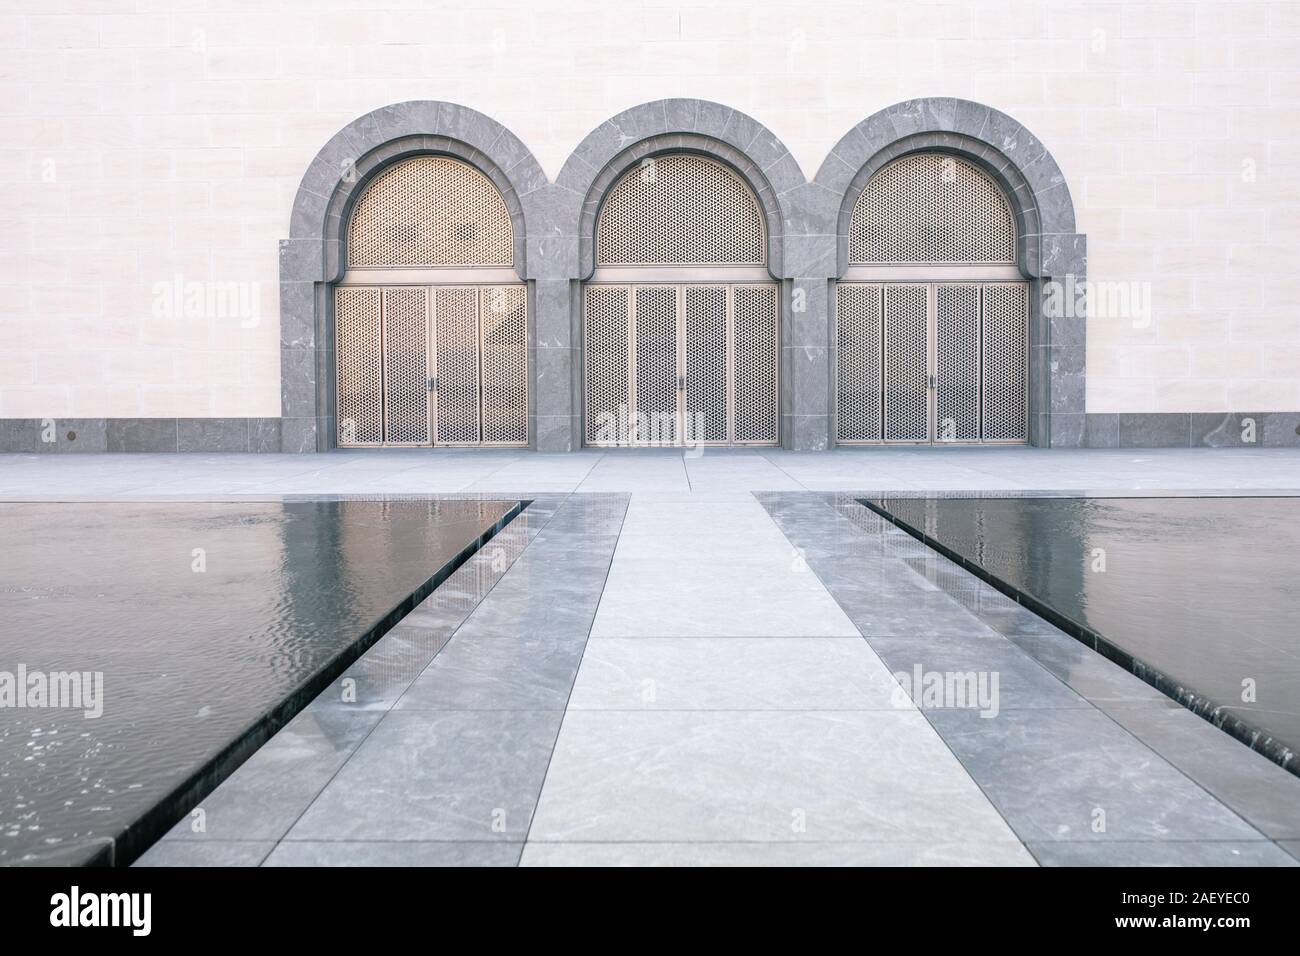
{"points": [[759, 776]]}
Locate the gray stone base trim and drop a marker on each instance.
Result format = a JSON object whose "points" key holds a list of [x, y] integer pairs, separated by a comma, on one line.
{"points": [[71, 435], [1192, 430], [554, 433]]}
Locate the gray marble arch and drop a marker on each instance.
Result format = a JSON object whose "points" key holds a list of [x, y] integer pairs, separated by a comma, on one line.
{"points": [[728, 136], [315, 254], [1049, 248], [555, 223]]}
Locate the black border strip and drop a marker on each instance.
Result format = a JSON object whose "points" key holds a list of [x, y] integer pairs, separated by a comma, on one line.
{"points": [[1203, 707], [136, 837]]}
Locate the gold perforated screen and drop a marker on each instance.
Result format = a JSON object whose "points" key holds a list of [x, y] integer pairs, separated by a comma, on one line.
{"points": [[442, 365], [932, 208], [359, 358], [1006, 320], [931, 363], [680, 209], [681, 364], [430, 211]]}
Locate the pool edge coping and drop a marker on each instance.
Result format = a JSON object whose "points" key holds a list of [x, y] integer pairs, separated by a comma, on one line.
{"points": [[1266, 745], [137, 836]]}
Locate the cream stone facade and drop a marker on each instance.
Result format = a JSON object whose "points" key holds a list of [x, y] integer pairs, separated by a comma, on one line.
{"points": [[152, 153]]}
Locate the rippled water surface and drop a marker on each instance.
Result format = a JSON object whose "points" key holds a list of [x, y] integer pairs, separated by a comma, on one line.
{"points": [[1204, 590], [201, 616]]}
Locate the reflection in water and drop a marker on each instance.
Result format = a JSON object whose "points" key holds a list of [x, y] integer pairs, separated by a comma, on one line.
{"points": [[201, 617], [1201, 590]]}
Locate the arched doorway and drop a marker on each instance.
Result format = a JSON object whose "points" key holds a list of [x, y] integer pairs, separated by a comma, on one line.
{"points": [[680, 315], [932, 316], [430, 318]]}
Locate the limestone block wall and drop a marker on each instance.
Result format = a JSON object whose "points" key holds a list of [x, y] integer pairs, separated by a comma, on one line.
{"points": [[152, 152]]}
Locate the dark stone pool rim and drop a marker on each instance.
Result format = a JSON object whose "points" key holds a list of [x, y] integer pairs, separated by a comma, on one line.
{"points": [[1199, 704], [136, 837]]}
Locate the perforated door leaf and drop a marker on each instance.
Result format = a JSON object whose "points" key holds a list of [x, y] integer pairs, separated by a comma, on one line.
{"points": [[858, 367], [504, 325], [406, 372], [701, 367], [680, 209], [907, 416], [932, 208], [606, 317], [430, 211], [705, 355], [457, 355], [957, 363], [1006, 320], [358, 354], [975, 344], [754, 361], [655, 324]]}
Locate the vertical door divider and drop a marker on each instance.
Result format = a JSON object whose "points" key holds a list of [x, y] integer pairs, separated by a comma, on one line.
{"points": [[633, 433]]}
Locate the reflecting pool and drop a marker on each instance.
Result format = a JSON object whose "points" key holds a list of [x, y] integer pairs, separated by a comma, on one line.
{"points": [[147, 648], [1200, 596]]}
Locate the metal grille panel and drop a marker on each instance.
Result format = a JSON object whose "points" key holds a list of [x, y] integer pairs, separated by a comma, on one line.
{"points": [[680, 209], [957, 363], [457, 357], [932, 208], [705, 347], [971, 337], [504, 324], [406, 371], [1006, 319], [907, 403], [665, 355], [858, 313], [430, 211], [754, 361], [358, 356], [607, 382], [656, 364]]}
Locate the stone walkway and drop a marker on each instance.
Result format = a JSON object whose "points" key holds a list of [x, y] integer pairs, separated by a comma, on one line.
{"points": [[653, 472], [691, 661]]}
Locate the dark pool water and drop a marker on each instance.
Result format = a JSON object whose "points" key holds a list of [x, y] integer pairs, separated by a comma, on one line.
{"points": [[1203, 592], [203, 619]]}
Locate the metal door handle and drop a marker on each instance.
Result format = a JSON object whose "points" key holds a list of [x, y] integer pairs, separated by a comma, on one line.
{"points": [[433, 384], [930, 382], [681, 383]]}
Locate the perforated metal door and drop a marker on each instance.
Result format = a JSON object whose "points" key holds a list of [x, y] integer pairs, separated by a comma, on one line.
{"points": [[1005, 355], [705, 351], [608, 363], [409, 374], [406, 366], [656, 363], [754, 364], [358, 353], [686, 364], [907, 406], [858, 367], [456, 350], [957, 363], [964, 344], [504, 347]]}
